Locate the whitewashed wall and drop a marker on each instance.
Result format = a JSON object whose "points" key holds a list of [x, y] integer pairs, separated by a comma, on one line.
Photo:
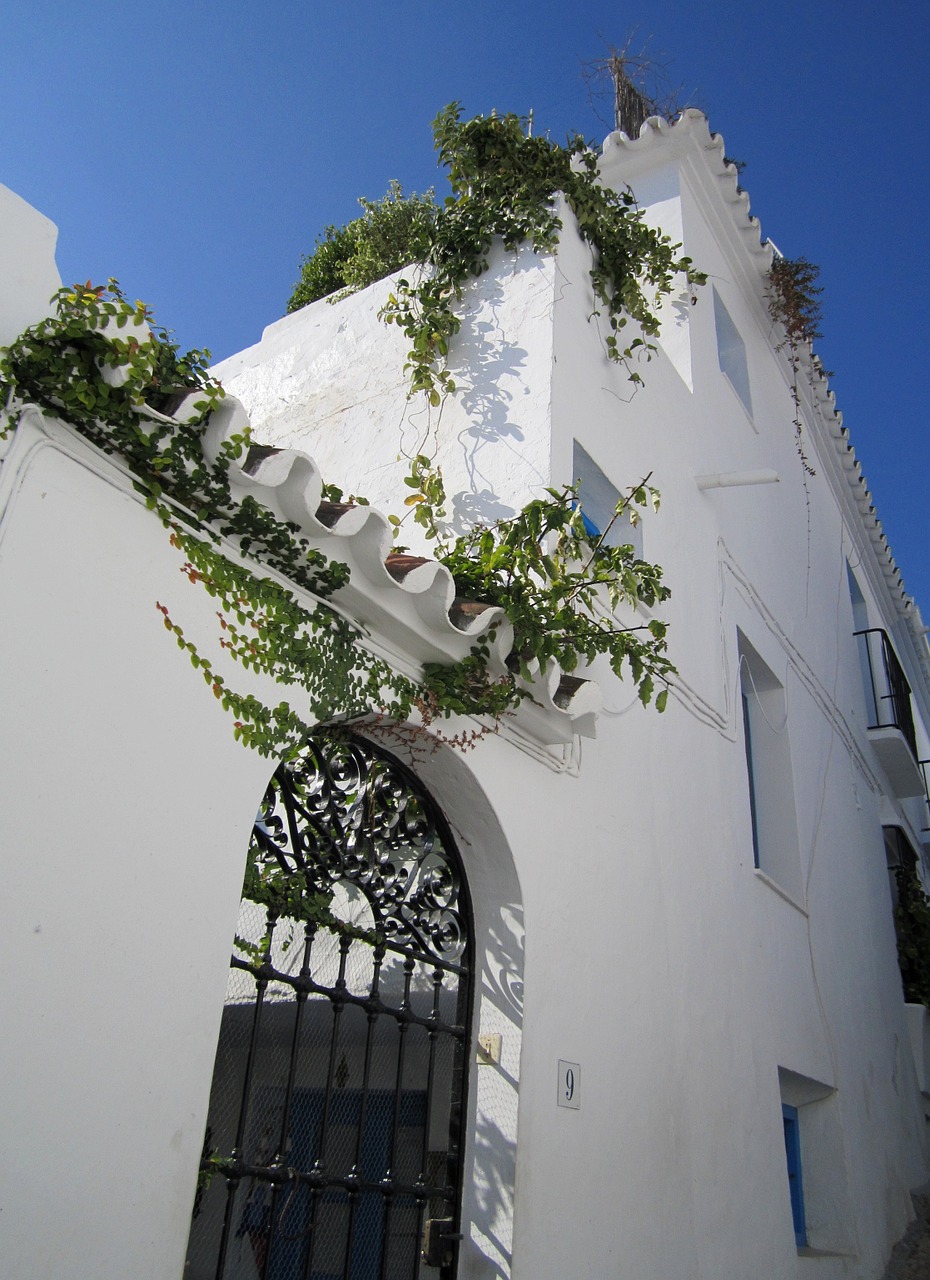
{"points": [[27, 265], [623, 925], [126, 809], [329, 380], [695, 991]]}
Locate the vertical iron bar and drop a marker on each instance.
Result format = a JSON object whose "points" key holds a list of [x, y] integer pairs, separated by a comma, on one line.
{"points": [[338, 837], [433, 1033], [890, 694], [287, 795], [372, 1003], [319, 1163], [431, 1069], [300, 997], [460, 1046], [402, 1027], [261, 985], [868, 654]]}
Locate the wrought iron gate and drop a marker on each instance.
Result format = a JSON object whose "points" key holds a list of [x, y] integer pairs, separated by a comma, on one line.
{"points": [[333, 1143]]}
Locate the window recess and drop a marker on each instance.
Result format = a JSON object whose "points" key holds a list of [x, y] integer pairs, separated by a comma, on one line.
{"points": [[731, 353], [769, 778], [598, 499], [821, 1215], [795, 1178]]}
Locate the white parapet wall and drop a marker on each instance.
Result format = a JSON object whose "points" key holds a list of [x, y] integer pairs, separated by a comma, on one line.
{"points": [[28, 274], [330, 380], [127, 808]]}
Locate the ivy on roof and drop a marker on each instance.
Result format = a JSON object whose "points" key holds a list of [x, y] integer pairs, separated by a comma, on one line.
{"points": [[505, 185]]}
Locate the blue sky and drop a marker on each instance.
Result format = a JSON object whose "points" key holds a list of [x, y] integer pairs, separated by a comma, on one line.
{"points": [[195, 150]]}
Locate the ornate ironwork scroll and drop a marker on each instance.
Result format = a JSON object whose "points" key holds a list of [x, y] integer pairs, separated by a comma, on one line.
{"points": [[343, 815]]}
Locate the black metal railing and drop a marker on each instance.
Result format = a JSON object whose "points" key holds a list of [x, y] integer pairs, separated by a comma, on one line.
{"points": [[890, 704]]}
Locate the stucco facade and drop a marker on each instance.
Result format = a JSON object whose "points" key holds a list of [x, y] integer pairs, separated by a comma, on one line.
{"points": [[706, 941]]}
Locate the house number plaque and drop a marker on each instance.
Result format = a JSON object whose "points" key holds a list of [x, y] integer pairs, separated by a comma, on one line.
{"points": [[569, 1094]]}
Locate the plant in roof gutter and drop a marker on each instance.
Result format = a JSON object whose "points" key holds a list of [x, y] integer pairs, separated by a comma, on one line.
{"points": [[392, 233], [794, 303]]}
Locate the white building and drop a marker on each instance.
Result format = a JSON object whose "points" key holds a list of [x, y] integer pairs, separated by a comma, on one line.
{"points": [[681, 950]]}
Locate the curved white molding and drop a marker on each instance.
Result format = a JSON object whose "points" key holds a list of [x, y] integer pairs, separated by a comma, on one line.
{"points": [[408, 606]]}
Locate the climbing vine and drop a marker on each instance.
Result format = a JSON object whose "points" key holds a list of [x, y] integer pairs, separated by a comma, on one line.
{"points": [[505, 185], [297, 900], [100, 365], [559, 585], [794, 303]]}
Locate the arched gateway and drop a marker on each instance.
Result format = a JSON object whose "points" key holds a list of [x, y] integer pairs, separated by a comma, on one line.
{"points": [[333, 1144]]}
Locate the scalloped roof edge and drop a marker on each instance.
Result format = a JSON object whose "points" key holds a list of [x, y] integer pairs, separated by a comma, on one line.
{"points": [[690, 130], [409, 603]]}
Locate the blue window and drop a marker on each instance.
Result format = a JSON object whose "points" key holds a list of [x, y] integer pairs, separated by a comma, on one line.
{"points": [[795, 1184]]}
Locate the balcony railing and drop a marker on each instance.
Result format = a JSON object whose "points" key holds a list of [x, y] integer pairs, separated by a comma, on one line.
{"points": [[888, 692]]}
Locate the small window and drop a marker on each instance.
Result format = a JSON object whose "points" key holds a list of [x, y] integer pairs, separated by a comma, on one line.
{"points": [[770, 781], [860, 611], [598, 499], [860, 615], [795, 1180], [731, 352], [814, 1153], [753, 813]]}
